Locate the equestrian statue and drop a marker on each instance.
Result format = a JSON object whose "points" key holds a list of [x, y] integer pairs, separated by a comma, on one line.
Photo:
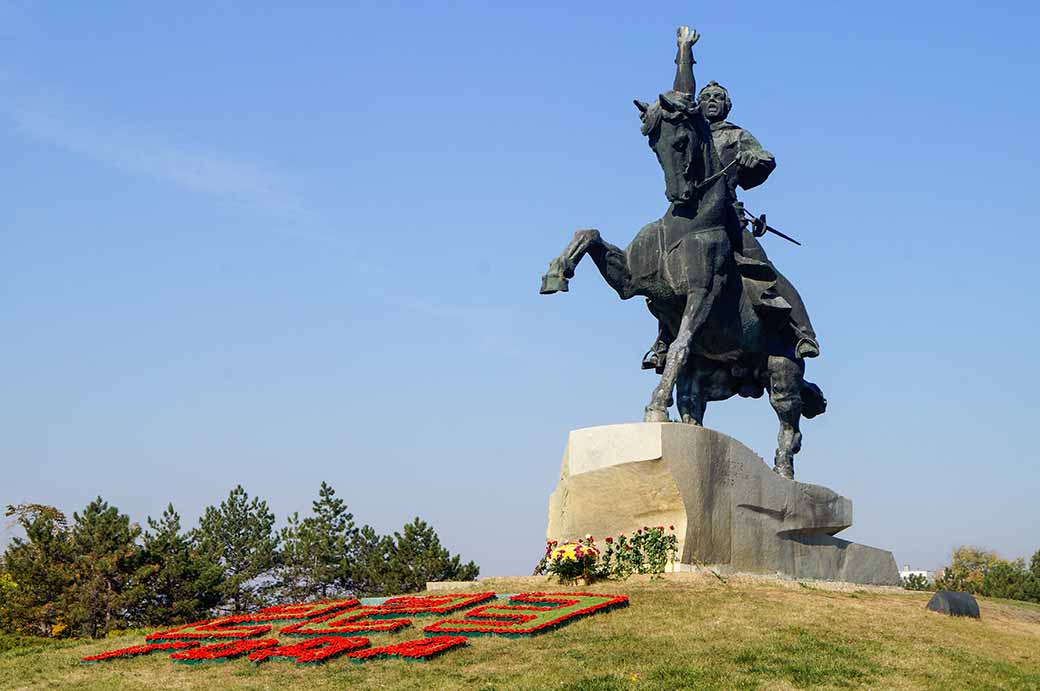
{"points": [[728, 322]]}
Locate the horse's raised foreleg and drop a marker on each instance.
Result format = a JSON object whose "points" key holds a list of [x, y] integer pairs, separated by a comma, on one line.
{"points": [[698, 306], [785, 386], [610, 261]]}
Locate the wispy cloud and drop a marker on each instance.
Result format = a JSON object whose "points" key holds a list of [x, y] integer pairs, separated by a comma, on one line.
{"points": [[150, 154]]}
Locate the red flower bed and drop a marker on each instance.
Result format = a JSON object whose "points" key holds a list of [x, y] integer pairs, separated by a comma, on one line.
{"points": [[515, 620], [375, 618], [312, 651], [223, 651], [135, 650], [306, 610], [432, 604], [249, 625], [235, 627], [329, 623], [346, 623], [420, 649]]}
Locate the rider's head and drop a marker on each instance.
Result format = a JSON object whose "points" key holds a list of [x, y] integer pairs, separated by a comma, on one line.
{"points": [[714, 102]]}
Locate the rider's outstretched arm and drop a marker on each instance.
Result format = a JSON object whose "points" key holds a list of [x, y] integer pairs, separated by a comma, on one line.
{"points": [[684, 62]]}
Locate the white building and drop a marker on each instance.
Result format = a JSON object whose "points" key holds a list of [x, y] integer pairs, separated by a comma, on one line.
{"points": [[907, 572]]}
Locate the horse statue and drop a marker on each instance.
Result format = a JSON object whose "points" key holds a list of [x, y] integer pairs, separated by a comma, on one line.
{"points": [[729, 329]]}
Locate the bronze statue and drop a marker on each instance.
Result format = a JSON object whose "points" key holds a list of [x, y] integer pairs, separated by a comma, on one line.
{"points": [[729, 323], [747, 165]]}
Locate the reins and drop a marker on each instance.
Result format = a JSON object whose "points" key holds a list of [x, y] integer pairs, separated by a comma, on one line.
{"points": [[712, 178]]}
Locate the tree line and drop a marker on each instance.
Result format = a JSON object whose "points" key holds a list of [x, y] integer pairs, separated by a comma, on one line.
{"points": [[983, 572], [101, 572]]}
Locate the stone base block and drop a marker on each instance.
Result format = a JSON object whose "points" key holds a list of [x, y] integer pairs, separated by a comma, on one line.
{"points": [[728, 507]]}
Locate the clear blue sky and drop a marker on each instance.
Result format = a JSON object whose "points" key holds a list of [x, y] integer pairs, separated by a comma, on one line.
{"points": [[271, 245]]}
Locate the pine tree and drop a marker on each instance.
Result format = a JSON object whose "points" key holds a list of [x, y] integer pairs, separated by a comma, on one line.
{"points": [[318, 553], [294, 565], [239, 537], [36, 571], [108, 581], [332, 536], [180, 585], [418, 557], [371, 568]]}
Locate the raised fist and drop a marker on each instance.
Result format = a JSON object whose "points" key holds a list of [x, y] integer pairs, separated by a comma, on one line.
{"points": [[685, 36]]}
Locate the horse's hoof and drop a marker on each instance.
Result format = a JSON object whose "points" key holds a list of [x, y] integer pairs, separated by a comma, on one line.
{"points": [[553, 283], [655, 415], [807, 348]]}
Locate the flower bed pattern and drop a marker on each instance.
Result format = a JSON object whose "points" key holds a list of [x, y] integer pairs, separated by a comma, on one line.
{"points": [[328, 625], [312, 651], [421, 649], [377, 618], [135, 650], [249, 625], [222, 651], [528, 614]]}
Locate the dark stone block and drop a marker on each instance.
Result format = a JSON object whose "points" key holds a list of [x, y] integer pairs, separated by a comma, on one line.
{"points": [[954, 604]]}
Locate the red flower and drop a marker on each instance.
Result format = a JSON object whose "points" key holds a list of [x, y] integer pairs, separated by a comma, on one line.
{"points": [[610, 540], [671, 527]]}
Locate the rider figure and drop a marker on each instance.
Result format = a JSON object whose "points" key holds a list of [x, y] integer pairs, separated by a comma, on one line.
{"points": [[747, 165]]}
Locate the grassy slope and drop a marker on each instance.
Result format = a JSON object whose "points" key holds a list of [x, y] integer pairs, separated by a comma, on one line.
{"points": [[689, 632]]}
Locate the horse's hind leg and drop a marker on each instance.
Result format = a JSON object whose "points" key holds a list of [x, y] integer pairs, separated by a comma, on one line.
{"points": [[785, 386], [689, 399]]}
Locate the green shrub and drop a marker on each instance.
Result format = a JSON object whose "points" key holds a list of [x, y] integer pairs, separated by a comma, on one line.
{"points": [[916, 581]]}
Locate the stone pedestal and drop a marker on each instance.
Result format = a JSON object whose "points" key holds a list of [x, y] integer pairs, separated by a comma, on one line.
{"points": [[729, 509]]}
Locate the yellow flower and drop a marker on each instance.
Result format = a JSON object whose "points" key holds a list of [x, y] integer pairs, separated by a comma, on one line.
{"points": [[572, 551]]}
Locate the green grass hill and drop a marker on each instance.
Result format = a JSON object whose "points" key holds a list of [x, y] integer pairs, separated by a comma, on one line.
{"points": [[688, 631]]}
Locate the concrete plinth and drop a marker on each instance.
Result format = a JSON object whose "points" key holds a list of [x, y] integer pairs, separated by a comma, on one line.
{"points": [[729, 509]]}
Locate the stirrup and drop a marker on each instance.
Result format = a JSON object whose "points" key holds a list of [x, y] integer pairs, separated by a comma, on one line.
{"points": [[650, 359], [654, 360]]}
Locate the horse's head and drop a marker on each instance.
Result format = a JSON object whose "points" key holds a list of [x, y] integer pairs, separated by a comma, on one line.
{"points": [[681, 138]]}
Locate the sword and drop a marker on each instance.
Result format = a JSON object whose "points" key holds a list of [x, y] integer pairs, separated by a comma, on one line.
{"points": [[759, 222]]}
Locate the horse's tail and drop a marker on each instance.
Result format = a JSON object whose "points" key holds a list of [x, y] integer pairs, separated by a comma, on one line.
{"points": [[813, 401]]}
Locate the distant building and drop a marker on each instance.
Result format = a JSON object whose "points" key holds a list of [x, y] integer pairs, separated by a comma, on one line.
{"points": [[907, 572]]}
